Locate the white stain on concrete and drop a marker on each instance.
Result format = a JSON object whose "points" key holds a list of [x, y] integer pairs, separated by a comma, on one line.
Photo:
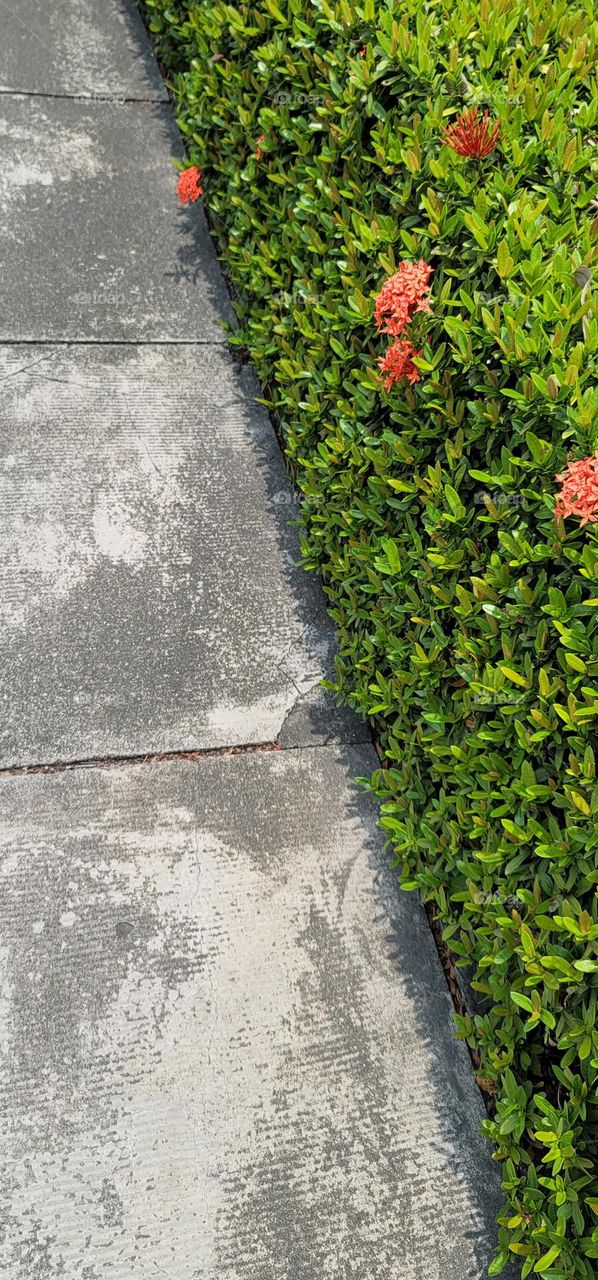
{"points": [[115, 535], [73, 151], [39, 558], [19, 174], [31, 170], [142, 559]]}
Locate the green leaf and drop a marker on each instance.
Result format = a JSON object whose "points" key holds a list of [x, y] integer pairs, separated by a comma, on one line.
{"points": [[504, 261], [576, 663], [547, 1259], [514, 676], [454, 501], [524, 1002]]}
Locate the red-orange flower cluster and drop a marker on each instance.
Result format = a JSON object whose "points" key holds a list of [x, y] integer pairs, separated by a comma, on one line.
{"points": [[579, 490], [401, 296], [397, 365], [472, 134], [189, 186]]}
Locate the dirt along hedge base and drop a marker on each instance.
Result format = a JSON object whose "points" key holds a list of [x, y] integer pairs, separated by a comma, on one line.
{"points": [[333, 148]]}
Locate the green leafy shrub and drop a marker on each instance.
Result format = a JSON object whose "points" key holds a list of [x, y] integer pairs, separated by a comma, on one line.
{"points": [[467, 613]]}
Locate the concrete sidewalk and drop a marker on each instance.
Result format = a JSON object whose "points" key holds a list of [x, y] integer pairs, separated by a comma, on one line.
{"points": [[226, 1042]]}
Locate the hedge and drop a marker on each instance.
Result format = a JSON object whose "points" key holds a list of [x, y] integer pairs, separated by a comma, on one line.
{"points": [[466, 607]]}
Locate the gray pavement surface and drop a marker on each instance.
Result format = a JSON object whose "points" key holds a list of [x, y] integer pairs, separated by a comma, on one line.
{"points": [[93, 244], [76, 46], [150, 598], [226, 1043]]}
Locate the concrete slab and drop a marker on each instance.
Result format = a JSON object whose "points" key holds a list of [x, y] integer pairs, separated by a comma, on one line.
{"points": [[77, 46], [150, 598], [93, 242], [226, 1041]]}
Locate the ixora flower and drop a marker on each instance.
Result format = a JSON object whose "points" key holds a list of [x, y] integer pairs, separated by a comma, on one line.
{"points": [[189, 186], [401, 296], [397, 365], [579, 490], [472, 134]]}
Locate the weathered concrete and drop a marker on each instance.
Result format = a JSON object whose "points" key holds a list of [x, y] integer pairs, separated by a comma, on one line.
{"points": [[227, 1044], [92, 242], [150, 598], [76, 46]]}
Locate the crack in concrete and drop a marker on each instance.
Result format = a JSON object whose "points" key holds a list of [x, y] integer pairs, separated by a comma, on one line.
{"points": [[25, 367], [301, 697], [143, 444], [116, 762], [281, 666]]}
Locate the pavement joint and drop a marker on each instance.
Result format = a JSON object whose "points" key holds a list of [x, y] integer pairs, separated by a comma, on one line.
{"points": [[119, 762], [161, 757], [118, 99], [113, 342]]}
